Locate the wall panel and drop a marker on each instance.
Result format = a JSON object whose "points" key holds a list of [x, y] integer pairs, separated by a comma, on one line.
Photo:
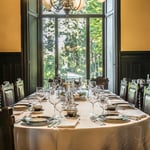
{"points": [[134, 65], [10, 66]]}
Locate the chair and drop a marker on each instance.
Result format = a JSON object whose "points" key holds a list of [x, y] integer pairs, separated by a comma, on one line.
{"points": [[6, 129], [102, 81], [7, 93], [19, 89], [142, 84], [132, 95], [1, 103], [123, 89], [146, 100]]}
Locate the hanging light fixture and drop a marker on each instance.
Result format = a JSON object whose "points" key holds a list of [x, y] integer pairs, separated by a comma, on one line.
{"points": [[66, 5]]}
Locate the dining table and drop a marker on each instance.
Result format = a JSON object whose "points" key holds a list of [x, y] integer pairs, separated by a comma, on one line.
{"points": [[121, 127]]}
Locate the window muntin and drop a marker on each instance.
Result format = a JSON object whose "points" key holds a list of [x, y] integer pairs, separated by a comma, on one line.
{"points": [[72, 47], [96, 49], [48, 43]]}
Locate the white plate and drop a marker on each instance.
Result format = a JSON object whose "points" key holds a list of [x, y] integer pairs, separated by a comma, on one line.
{"points": [[35, 121]]}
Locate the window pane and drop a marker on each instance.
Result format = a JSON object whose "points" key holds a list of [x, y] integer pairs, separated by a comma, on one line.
{"points": [[48, 40], [96, 63], [72, 47], [78, 43]]}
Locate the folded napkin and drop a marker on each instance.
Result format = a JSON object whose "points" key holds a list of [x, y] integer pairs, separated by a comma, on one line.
{"points": [[23, 103], [136, 117], [134, 114], [17, 112], [114, 97], [20, 107], [116, 101], [68, 123]]}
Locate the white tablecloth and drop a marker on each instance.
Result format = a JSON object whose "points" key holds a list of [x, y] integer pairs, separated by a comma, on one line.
{"points": [[87, 135]]}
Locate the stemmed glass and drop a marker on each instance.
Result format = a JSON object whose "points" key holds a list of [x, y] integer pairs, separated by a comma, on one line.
{"points": [[59, 109], [54, 99], [92, 98], [92, 84], [39, 93], [103, 103]]}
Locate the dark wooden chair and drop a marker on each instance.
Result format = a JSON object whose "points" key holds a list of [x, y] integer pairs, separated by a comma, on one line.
{"points": [[102, 81], [132, 95], [6, 128], [142, 83], [7, 93], [123, 89], [19, 89], [146, 100]]}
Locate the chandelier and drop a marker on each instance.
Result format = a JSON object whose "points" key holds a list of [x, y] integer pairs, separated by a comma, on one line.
{"points": [[66, 5]]}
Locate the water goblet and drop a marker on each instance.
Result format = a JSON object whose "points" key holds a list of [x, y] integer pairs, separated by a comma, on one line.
{"points": [[59, 108], [54, 100], [39, 91], [92, 99], [103, 103]]}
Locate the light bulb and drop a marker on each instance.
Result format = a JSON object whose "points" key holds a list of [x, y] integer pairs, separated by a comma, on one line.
{"points": [[101, 1]]}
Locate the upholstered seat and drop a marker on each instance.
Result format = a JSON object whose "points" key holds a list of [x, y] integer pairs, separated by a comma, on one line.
{"points": [[7, 92]]}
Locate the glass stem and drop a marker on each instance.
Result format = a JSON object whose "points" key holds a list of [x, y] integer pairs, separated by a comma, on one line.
{"points": [[54, 109], [93, 108]]}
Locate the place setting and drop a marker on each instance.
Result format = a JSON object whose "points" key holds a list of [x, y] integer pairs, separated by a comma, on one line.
{"points": [[36, 120], [36, 108], [107, 114], [20, 107]]}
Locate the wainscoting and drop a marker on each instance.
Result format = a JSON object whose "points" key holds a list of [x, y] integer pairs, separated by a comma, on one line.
{"points": [[10, 66], [134, 65]]}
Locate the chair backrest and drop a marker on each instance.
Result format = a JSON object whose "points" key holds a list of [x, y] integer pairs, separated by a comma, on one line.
{"points": [[142, 83], [6, 129], [123, 89], [19, 89], [7, 92], [132, 96], [102, 81], [146, 100]]}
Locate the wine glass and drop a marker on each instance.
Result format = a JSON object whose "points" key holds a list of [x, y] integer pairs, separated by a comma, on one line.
{"points": [[59, 109], [92, 98], [92, 84], [103, 103], [54, 99], [39, 93]]}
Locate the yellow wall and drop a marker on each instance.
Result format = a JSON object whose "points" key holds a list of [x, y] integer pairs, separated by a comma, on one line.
{"points": [[135, 25], [10, 25]]}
